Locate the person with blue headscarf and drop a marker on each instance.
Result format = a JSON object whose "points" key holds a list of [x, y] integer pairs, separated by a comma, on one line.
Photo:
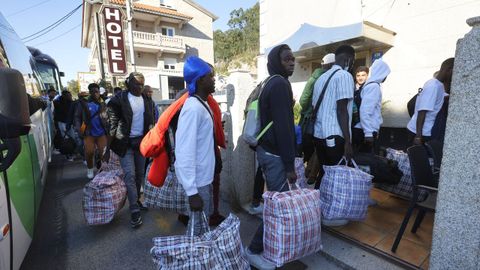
{"points": [[194, 139]]}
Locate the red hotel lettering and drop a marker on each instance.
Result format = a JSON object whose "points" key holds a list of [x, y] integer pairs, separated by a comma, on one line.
{"points": [[114, 38]]}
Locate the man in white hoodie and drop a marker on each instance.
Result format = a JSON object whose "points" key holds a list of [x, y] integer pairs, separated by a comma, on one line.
{"points": [[369, 100]]}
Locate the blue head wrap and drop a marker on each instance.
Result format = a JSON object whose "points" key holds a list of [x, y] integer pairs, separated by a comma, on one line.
{"points": [[194, 69]]}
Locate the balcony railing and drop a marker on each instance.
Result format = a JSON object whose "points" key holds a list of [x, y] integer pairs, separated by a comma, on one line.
{"points": [[158, 40]]}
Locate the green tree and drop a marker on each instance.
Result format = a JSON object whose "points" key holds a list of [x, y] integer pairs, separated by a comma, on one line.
{"points": [[74, 87], [240, 43]]}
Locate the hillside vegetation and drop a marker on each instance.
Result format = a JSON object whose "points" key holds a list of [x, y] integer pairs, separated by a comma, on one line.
{"points": [[238, 46]]}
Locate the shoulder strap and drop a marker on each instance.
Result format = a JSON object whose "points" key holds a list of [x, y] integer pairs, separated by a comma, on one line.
{"points": [[205, 106], [320, 99]]}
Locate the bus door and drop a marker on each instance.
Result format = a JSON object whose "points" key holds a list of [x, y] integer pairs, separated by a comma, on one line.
{"points": [[4, 227]]}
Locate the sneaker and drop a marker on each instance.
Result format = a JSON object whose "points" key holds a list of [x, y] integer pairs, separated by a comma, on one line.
{"points": [[55, 152], [142, 207], [85, 162], [90, 174], [256, 210], [70, 158], [258, 261], [136, 220], [334, 222]]}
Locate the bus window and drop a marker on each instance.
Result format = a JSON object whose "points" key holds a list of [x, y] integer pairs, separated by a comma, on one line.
{"points": [[49, 76]]}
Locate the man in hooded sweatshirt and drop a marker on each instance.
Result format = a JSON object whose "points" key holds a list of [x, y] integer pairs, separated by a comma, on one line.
{"points": [[194, 141], [276, 149], [365, 132]]}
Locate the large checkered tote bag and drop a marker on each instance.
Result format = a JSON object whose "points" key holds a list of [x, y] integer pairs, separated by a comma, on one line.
{"points": [[292, 227], [218, 249], [103, 197], [170, 196], [404, 188], [344, 192]]}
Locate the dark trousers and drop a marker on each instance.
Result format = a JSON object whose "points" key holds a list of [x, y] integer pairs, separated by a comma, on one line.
{"points": [[258, 186], [216, 192], [328, 155], [307, 147], [358, 142]]}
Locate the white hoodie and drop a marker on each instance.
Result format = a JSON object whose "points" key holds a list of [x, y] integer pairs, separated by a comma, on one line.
{"points": [[371, 107]]}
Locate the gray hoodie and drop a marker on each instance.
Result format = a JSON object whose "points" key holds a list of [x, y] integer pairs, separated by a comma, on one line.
{"points": [[371, 108]]}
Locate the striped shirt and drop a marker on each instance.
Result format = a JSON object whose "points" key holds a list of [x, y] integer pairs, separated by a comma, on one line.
{"points": [[341, 86]]}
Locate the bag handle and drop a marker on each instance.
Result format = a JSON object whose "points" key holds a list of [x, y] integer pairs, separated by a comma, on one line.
{"points": [[320, 99], [346, 162]]}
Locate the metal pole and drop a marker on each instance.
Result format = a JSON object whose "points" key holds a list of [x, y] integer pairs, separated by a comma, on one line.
{"points": [[130, 33], [99, 45]]}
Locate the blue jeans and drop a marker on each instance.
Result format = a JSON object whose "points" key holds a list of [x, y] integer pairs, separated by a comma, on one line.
{"points": [[276, 179], [133, 165]]}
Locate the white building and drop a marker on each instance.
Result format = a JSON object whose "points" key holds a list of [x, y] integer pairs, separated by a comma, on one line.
{"points": [[164, 34], [414, 37]]}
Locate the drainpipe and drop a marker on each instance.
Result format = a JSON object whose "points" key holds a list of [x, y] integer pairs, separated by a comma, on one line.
{"points": [[99, 45], [130, 33]]}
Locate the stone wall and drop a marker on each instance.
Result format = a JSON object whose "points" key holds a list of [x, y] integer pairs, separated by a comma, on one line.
{"points": [[239, 162], [456, 235]]}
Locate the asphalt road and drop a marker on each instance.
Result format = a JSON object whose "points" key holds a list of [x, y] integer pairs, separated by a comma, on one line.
{"points": [[64, 241]]}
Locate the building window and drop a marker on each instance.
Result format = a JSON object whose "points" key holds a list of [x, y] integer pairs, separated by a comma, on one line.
{"points": [[166, 3], [168, 31], [169, 63]]}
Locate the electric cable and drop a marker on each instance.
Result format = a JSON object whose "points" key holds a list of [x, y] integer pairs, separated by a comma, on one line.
{"points": [[59, 36], [51, 26], [25, 9]]}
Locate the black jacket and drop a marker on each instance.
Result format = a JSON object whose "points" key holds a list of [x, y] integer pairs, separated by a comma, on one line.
{"points": [[120, 115], [276, 104], [63, 110]]}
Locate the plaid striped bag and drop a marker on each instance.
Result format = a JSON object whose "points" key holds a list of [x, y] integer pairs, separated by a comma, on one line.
{"points": [[405, 187], [218, 249], [103, 197], [292, 227], [344, 192], [171, 196]]}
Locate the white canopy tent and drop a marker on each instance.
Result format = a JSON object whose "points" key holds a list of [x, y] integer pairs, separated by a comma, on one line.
{"points": [[313, 42]]}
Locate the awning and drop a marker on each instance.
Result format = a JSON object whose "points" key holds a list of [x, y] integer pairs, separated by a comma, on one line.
{"points": [[313, 42]]}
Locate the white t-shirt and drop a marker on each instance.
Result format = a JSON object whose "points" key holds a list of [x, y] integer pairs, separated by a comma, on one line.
{"points": [[341, 86], [431, 100], [138, 108]]}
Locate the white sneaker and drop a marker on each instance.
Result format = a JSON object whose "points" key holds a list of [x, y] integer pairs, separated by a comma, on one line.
{"points": [[55, 152], [258, 261], [252, 210], [90, 174], [334, 222]]}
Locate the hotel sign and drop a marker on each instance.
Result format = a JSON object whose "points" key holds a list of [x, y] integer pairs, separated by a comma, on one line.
{"points": [[117, 62]]}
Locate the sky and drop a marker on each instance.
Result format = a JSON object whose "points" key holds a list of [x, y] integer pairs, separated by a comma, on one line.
{"points": [[63, 42]]}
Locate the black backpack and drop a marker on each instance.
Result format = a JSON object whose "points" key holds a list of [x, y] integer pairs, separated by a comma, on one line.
{"points": [[67, 145], [412, 102], [382, 169]]}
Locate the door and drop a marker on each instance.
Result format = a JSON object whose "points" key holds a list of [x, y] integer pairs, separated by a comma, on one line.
{"points": [[4, 227]]}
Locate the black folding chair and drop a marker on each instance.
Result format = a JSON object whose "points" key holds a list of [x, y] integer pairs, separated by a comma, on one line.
{"points": [[436, 151], [422, 179]]}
